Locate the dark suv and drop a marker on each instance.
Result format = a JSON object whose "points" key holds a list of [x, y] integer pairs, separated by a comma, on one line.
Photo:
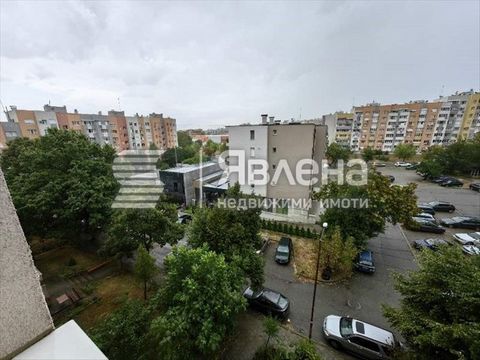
{"points": [[441, 206], [284, 250], [268, 302], [364, 262]]}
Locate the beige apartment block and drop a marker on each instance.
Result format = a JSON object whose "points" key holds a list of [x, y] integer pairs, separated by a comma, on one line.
{"points": [[121, 132]]}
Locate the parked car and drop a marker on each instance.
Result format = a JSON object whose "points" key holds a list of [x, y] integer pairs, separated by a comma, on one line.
{"points": [[474, 187], [268, 302], [468, 239], [427, 216], [284, 250], [184, 218], [466, 222], [442, 178], [471, 250], [390, 177], [364, 262], [441, 206], [412, 166], [426, 209], [451, 182], [402, 164], [358, 337], [376, 164], [432, 244], [420, 224]]}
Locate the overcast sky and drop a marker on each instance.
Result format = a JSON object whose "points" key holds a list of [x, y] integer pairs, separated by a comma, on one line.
{"points": [[211, 64]]}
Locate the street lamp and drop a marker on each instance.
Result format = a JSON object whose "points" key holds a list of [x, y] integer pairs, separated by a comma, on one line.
{"points": [[324, 226]]}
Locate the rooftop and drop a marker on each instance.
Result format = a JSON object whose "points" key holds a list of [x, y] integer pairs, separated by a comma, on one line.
{"points": [[188, 168]]}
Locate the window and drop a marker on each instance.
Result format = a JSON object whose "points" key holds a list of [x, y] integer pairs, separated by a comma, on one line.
{"points": [[274, 131], [367, 344], [252, 134], [252, 151], [274, 166], [29, 121], [274, 149]]}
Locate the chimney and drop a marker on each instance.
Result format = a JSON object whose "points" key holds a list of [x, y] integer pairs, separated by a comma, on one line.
{"points": [[75, 111], [99, 113], [271, 119], [264, 118]]}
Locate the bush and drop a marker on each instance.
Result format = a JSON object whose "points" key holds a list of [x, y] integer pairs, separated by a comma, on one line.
{"points": [[71, 262], [309, 233], [271, 352], [304, 350], [290, 229], [302, 232], [89, 288], [285, 228]]}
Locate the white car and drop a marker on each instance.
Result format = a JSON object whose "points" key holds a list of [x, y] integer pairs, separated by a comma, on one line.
{"points": [[468, 239], [471, 250], [402, 164]]}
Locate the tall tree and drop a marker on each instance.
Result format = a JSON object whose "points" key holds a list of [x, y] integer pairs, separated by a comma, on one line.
{"points": [[133, 227], [202, 295], [368, 154], [122, 335], [271, 328], [404, 151], [337, 152], [184, 139], [439, 313], [233, 233], [386, 203], [145, 268], [62, 184]]}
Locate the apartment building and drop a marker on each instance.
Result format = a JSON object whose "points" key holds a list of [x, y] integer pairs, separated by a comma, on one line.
{"points": [[115, 129], [278, 143], [421, 123]]}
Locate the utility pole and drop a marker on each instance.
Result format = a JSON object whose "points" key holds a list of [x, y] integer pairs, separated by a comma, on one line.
{"points": [[324, 226]]}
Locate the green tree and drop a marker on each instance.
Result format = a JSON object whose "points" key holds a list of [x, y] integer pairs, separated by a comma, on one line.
{"points": [[153, 146], [232, 232], [439, 313], [133, 227], [337, 152], [404, 151], [271, 327], [386, 203], [122, 335], [145, 268], [202, 295], [368, 154], [337, 253], [62, 184], [184, 139], [210, 148]]}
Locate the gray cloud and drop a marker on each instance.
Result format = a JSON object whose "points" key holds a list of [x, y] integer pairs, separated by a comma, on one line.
{"points": [[211, 63]]}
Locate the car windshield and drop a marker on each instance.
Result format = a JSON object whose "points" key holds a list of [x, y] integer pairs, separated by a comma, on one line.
{"points": [[282, 249], [272, 296], [459, 218], [282, 302], [346, 327], [433, 203]]}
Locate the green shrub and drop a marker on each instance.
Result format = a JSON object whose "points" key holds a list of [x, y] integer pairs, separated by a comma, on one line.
{"points": [[89, 288], [302, 232], [290, 229], [309, 233], [285, 228], [304, 350], [71, 262], [271, 352]]}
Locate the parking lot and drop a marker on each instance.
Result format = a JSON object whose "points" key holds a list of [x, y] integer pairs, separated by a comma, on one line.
{"points": [[363, 295]]}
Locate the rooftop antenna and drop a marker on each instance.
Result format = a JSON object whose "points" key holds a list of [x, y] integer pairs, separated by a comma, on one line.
{"points": [[300, 116], [118, 101], [441, 91]]}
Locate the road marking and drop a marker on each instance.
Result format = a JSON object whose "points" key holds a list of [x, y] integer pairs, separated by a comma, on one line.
{"points": [[408, 243]]}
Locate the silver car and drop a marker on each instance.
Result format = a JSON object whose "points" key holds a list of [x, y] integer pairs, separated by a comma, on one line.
{"points": [[358, 337]]}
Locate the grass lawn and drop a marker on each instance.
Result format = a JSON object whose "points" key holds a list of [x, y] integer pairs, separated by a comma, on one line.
{"points": [[111, 291], [54, 262]]}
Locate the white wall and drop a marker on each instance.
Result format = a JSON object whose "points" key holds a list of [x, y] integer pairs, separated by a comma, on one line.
{"points": [[240, 140]]}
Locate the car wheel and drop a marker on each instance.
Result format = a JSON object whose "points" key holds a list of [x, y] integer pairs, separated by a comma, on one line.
{"points": [[451, 210], [335, 344]]}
